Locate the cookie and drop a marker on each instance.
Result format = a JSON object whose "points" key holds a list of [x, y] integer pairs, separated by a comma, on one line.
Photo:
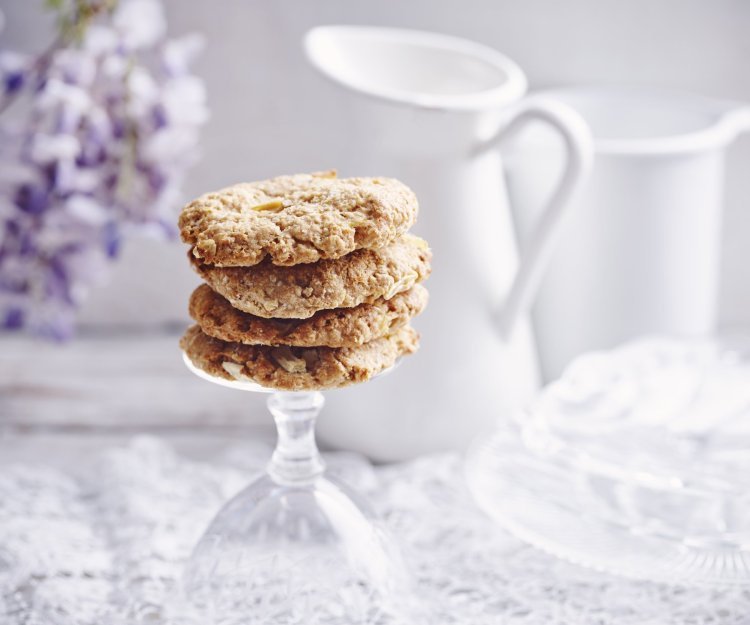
{"points": [[300, 291], [296, 368], [296, 219], [340, 327]]}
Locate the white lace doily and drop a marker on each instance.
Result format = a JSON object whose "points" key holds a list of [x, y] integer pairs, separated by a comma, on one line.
{"points": [[105, 545]]}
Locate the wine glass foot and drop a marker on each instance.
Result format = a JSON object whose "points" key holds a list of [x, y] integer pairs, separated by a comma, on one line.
{"points": [[307, 553]]}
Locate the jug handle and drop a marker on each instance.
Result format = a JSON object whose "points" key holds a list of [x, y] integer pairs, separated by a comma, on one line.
{"points": [[579, 152]]}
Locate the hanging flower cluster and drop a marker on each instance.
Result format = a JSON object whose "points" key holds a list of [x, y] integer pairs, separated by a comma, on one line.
{"points": [[96, 135]]}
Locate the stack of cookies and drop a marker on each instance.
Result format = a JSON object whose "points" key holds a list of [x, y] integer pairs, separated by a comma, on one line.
{"points": [[310, 280]]}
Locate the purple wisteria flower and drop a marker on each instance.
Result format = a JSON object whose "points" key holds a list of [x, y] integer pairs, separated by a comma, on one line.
{"points": [[96, 135]]}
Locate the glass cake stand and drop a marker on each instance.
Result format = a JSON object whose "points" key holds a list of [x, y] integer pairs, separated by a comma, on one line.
{"points": [[295, 546], [636, 462]]}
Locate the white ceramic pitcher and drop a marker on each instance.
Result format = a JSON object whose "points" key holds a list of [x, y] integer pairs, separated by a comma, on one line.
{"points": [[642, 253], [431, 110]]}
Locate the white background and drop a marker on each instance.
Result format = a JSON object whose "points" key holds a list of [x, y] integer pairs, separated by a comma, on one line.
{"points": [[272, 114]]}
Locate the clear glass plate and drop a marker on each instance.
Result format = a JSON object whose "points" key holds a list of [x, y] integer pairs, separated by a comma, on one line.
{"points": [[637, 462]]}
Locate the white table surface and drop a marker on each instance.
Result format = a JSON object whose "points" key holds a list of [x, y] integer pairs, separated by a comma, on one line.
{"points": [[96, 520], [124, 383]]}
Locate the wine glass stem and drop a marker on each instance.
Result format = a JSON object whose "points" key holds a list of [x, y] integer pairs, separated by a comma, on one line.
{"points": [[296, 459]]}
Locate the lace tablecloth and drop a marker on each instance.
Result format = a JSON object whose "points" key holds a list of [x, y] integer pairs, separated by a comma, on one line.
{"points": [[104, 544]]}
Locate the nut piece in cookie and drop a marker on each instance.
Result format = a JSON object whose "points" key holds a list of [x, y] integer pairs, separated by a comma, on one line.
{"points": [[297, 368], [296, 219], [298, 292], [340, 327]]}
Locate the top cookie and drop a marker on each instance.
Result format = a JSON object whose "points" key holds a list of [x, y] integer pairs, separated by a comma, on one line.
{"points": [[296, 219]]}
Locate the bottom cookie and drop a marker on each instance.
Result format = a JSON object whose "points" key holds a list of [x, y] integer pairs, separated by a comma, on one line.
{"points": [[297, 368]]}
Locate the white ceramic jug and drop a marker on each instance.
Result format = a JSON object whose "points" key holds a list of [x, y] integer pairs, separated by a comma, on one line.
{"points": [[431, 110], [642, 252]]}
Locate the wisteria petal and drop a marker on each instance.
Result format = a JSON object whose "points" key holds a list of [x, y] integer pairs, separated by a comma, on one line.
{"points": [[140, 23], [184, 99], [11, 61], [13, 319], [75, 67], [14, 70], [179, 54], [144, 92], [114, 67], [50, 148], [32, 199], [14, 173], [167, 144], [100, 40], [56, 93], [87, 210]]}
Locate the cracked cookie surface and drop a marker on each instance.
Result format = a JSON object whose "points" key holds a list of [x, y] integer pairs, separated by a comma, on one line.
{"points": [[296, 368], [298, 292], [296, 219], [340, 327]]}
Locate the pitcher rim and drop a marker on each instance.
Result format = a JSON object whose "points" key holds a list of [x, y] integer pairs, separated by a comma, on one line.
{"points": [[510, 90], [729, 119]]}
